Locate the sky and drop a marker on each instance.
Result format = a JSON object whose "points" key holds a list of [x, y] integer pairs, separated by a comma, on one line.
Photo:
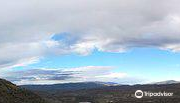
{"points": [[57, 41]]}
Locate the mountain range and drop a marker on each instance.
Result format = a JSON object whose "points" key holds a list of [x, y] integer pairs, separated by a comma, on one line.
{"points": [[86, 92], [81, 85], [105, 92], [64, 87]]}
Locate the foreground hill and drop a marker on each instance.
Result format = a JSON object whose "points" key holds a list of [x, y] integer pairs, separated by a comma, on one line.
{"points": [[111, 94], [10, 93]]}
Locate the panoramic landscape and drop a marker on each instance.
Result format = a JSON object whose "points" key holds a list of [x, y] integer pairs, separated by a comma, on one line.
{"points": [[90, 51], [86, 92]]}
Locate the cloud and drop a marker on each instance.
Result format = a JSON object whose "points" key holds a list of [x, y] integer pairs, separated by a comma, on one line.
{"points": [[36, 76], [21, 63], [30, 28], [12, 54], [66, 75], [114, 75]]}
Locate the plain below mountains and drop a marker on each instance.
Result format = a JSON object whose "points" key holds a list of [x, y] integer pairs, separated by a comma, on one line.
{"points": [[100, 92]]}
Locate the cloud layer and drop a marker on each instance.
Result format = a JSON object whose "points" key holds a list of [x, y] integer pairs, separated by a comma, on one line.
{"points": [[66, 75], [30, 29]]}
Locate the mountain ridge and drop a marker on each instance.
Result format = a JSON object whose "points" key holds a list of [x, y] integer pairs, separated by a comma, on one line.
{"points": [[66, 86], [166, 82]]}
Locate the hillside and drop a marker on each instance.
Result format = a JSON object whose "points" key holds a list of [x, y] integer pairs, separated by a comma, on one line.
{"points": [[10, 93]]}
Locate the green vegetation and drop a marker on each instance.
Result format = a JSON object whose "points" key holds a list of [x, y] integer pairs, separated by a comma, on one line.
{"points": [[10, 93]]}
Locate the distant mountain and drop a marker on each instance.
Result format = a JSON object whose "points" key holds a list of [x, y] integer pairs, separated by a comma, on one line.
{"points": [[67, 86], [108, 83], [166, 82], [10, 93]]}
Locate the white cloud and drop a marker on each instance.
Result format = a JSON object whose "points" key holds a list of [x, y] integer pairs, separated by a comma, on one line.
{"points": [[113, 75], [26, 27], [172, 47], [13, 54], [95, 73], [23, 62]]}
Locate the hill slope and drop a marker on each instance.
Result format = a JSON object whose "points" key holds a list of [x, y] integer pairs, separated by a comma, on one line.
{"points": [[10, 93]]}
